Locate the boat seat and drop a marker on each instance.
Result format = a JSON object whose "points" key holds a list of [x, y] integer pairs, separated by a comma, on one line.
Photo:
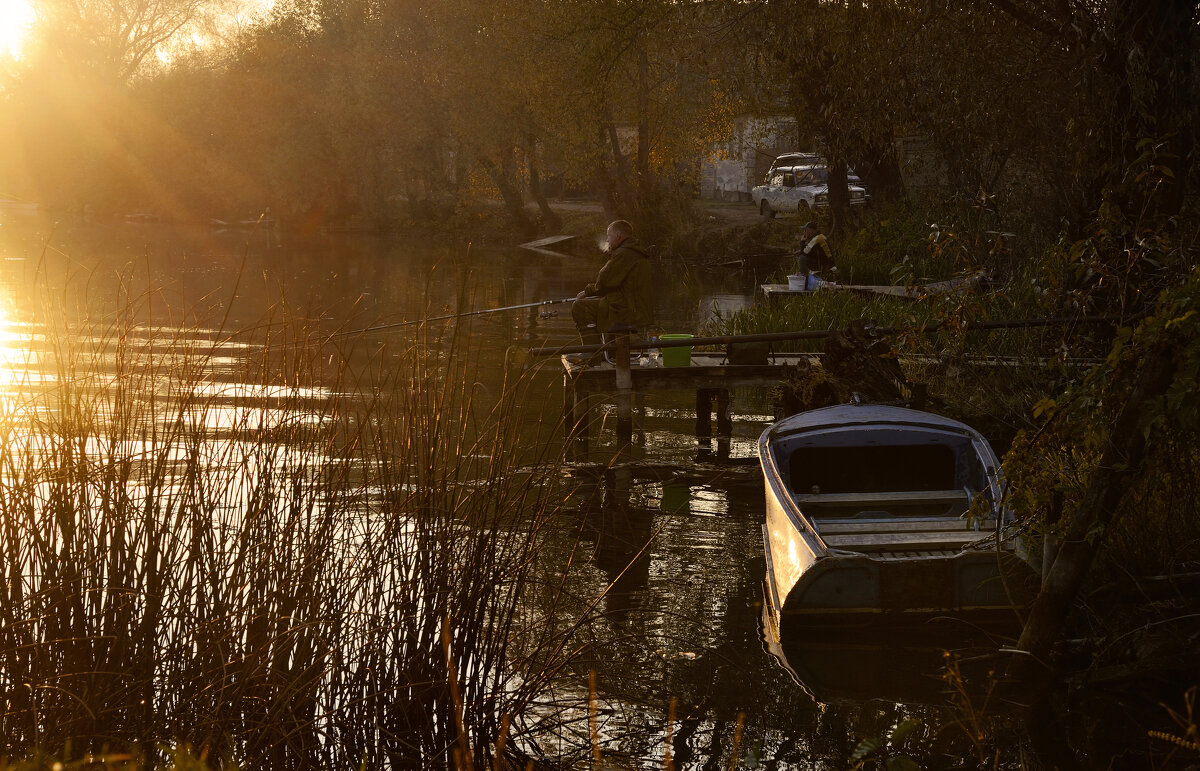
{"points": [[901, 525], [891, 541], [908, 504], [890, 534], [849, 500]]}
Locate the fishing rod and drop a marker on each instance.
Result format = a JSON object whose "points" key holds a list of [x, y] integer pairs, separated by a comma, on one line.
{"points": [[739, 260], [453, 316]]}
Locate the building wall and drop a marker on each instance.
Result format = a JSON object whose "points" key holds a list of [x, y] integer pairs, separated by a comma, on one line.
{"points": [[733, 168]]}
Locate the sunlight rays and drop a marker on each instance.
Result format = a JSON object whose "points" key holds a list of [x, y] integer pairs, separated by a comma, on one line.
{"points": [[16, 16]]}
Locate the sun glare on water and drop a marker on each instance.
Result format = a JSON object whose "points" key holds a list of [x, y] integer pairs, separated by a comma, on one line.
{"points": [[11, 366], [15, 18]]}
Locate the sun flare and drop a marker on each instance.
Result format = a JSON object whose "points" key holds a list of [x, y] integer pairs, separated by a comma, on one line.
{"points": [[16, 16]]}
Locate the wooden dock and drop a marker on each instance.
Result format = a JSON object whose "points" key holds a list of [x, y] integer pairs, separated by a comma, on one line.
{"points": [[952, 286], [783, 290], [709, 375]]}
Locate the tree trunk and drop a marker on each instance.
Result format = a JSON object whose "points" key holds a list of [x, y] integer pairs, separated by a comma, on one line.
{"points": [[550, 218], [625, 189], [513, 201], [881, 174], [839, 195], [643, 129], [1153, 68]]}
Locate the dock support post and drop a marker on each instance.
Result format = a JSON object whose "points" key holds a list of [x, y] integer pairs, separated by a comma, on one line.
{"points": [[704, 408], [575, 419], [570, 416], [639, 409], [704, 415], [568, 406], [724, 424], [624, 391], [580, 434]]}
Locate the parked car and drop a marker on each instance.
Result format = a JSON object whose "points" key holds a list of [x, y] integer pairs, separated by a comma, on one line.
{"points": [[800, 190], [806, 159], [793, 159]]}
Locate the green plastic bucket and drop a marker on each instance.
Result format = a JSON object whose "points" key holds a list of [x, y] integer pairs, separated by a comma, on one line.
{"points": [[677, 356]]}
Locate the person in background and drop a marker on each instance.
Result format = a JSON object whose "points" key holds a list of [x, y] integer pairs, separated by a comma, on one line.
{"points": [[622, 294], [815, 253]]}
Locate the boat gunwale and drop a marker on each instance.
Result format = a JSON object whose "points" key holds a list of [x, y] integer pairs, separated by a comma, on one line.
{"points": [[846, 416], [800, 521]]}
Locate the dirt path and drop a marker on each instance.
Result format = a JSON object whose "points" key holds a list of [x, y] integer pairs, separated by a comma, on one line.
{"points": [[740, 213]]}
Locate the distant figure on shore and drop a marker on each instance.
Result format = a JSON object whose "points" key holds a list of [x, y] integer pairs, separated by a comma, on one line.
{"points": [[622, 294]]}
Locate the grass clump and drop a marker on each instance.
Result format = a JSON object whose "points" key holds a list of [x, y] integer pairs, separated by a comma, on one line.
{"points": [[819, 310]]}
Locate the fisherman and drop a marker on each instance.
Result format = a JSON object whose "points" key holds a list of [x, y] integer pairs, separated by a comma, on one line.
{"points": [[622, 297], [815, 255]]}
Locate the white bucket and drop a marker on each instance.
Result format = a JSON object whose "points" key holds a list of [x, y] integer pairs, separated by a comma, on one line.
{"points": [[797, 282]]}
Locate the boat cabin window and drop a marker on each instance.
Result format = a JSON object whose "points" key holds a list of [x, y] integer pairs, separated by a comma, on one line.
{"points": [[876, 469]]}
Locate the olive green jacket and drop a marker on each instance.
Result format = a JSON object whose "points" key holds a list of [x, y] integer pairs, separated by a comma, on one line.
{"points": [[625, 286]]}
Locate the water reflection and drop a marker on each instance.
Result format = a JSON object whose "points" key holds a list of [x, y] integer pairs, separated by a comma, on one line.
{"points": [[12, 361], [623, 550], [884, 664]]}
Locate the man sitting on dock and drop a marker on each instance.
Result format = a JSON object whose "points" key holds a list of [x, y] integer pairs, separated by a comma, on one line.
{"points": [[815, 254], [622, 297]]}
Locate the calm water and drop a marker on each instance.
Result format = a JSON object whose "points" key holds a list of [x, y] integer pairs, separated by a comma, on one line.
{"points": [[683, 555]]}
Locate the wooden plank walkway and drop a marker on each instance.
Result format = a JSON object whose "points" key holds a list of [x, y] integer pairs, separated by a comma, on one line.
{"points": [[707, 370], [542, 243]]}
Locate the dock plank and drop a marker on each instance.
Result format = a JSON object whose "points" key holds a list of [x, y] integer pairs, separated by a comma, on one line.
{"points": [[707, 370]]}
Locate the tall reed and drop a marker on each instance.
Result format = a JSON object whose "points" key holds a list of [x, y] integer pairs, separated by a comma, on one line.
{"points": [[279, 550]]}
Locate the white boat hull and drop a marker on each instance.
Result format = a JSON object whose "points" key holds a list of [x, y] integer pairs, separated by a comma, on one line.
{"points": [[839, 556]]}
